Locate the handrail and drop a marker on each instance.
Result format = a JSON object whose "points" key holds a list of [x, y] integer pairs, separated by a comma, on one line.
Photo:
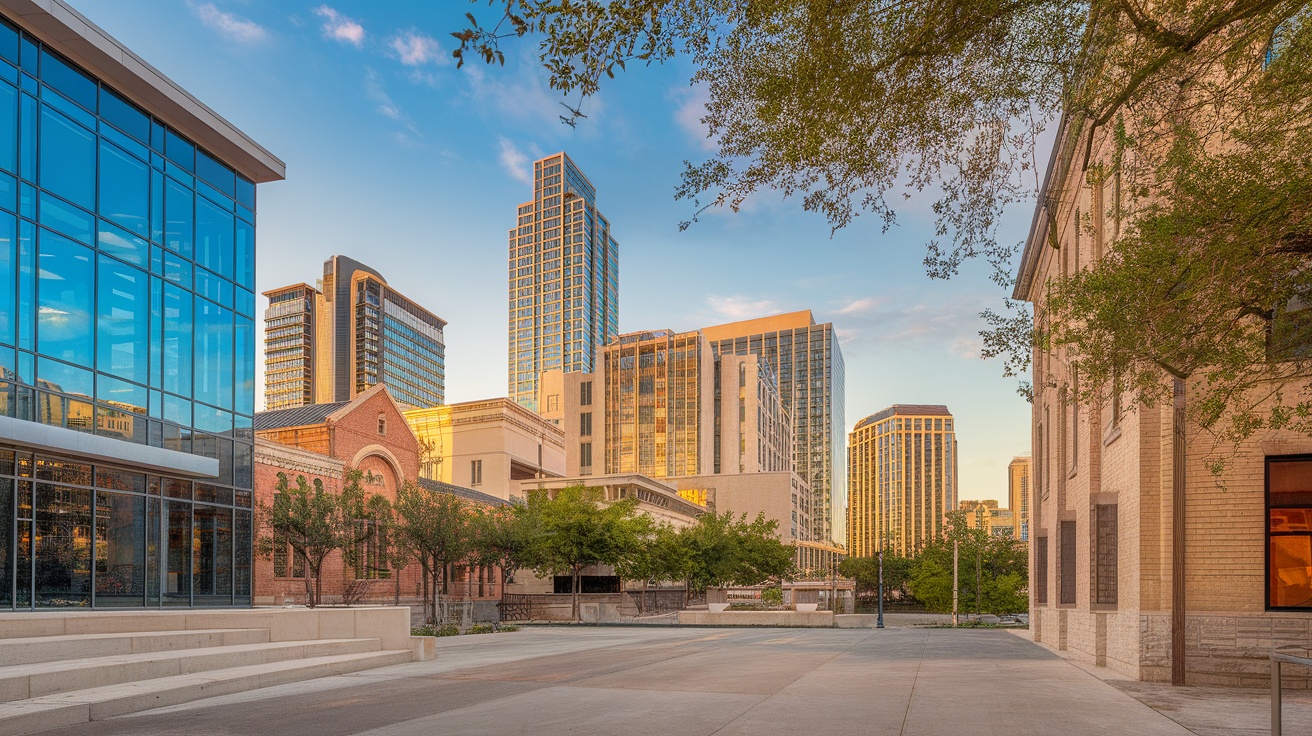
{"points": [[1279, 657]]}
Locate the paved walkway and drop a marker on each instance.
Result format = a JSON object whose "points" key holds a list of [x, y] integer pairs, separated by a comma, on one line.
{"points": [[675, 681]]}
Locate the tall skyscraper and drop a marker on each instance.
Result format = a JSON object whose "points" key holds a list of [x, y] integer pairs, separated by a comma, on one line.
{"points": [[808, 365], [1018, 495], [332, 343], [127, 327], [902, 475], [563, 279]]}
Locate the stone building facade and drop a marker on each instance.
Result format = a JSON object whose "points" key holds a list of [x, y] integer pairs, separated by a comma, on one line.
{"points": [[1103, 522]]}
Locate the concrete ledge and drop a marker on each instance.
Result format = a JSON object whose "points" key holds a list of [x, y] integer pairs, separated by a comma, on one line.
{"points": [[37, 436], [786, 619]]}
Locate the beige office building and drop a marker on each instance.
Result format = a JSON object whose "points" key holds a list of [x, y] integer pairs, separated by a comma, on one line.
{"points": [[902, 478], [781, 496], [487, 445], [1018, 494], [807, 364]]}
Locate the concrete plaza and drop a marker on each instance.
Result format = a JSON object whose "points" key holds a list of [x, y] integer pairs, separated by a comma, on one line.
{"points": [[667, 681]]}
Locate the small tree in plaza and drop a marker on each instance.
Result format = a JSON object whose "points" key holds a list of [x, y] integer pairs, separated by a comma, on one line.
{"points": [[577, 530], [313, 523], [438, 529], [992, 571], [504, 537], [728, 551], [664, 556]]}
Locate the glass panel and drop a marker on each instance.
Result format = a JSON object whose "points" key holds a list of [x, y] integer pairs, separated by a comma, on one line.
{"points": [[242, 543], [68, 159], [8, 128], [214, 246], [245, 254], [121, 480], [213, 363], [8, 280], [60, 215], [177, 341], [245, 192], [63, 546], [6, 537], [8, 42], [27, 109], [243, 469], [177, 270], [23, 563], [121, 424], [177, 576], [124, 115], [62, 76], [121, 394], [123, 245], [123, 321], [56, 376], [156, 206], [124, 189], [244, 374], [1291, 571], [178, 218], [177, 409], [154, 550], [120, 549], [212, 567], [1291, 520], [180, 150], [1291, 482], [218, 175], [66, 273]]}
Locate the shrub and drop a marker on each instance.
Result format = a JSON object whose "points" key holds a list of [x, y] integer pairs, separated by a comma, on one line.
{"points": [[508, 627], [772, 596], [481, 629]]}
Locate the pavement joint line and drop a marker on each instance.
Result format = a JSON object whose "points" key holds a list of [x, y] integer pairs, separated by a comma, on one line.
{"points": [[911, 696]]}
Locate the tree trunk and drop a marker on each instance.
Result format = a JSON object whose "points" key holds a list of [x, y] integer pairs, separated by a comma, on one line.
{"points": [[576, 586], [309, 594]]}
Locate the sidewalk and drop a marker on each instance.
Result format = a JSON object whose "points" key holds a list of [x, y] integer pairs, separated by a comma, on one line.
{"points": [[1208, 711]]}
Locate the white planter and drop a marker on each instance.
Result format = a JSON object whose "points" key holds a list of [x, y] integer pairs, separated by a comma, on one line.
{"points": [[718, 607], [807, 607]]}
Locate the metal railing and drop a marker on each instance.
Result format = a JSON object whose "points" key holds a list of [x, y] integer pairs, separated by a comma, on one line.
{"points": [[1278, 657]]}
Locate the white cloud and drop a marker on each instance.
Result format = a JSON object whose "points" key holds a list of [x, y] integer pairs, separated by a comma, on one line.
{"points": [[339, 27], [387, 107], [861, 306], [415, 49], [902, 320], [689, 113], [521, 94], [515, 162], [737, 307], [232, 26]]}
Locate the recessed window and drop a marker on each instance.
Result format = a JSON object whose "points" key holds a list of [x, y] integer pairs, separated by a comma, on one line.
{"points": [[382, 424], [1289, 533]]}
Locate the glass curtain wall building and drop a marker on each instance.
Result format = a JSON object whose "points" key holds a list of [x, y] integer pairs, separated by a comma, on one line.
{"points": [[902, 471], [808, 364], [127, 332], [330, 344], [563, 280]]}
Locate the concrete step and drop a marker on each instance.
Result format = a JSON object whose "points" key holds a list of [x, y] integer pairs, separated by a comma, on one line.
{"points": [[31, 650], [26, 681], [95, 703]]}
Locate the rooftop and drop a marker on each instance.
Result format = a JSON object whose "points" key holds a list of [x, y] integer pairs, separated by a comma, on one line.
{"points": [[437, 486], [906, 410], [300, 416], [773, 323]]}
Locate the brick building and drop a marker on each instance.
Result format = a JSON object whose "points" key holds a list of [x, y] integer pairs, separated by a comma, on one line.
{"points": [[321, 442], [1105, 529]]}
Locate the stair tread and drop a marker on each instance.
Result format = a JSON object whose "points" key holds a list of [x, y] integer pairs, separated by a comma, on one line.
{"points": [[110, 636], [21, 670], [160, 684]]}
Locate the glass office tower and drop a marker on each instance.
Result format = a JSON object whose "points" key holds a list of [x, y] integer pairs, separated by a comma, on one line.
{"points": [[563, 280], [127, 332]]}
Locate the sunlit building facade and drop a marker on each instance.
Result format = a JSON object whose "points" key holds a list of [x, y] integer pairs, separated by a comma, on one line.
{"points": [[902, 478], [127, 327], [563, 280], [807, 364], [330, 344], [1018, 494]]}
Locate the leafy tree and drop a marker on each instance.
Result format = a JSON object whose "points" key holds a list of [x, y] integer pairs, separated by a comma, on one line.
{"points": [[313, 522], [992, 571], [663, 556], [1189, 119], [504, 537], [865, 572], [578, 530], [438, 529], [733, 551]]}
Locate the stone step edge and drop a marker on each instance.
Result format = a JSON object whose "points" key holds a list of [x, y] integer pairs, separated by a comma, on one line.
{"points": [[81, 706], [18, 641]]}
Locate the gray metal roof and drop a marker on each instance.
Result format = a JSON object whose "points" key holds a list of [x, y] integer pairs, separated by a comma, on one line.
{"points": [[437, 486], [298, 417]]}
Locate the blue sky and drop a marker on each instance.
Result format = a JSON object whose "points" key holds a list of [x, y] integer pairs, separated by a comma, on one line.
{"points": [[400, 160]]}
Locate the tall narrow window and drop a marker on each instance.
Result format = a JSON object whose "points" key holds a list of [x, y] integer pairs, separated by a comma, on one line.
{"points": [[1107, 535], [1066, 583], [1041, 570], [475, 472], [1289, 533], [585, 424], [585, 393], [585, 454]]}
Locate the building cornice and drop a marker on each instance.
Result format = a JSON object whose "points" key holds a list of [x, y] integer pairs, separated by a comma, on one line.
{"points": [[268, 452]]}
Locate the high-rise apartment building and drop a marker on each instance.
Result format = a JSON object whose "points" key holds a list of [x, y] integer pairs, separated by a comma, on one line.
{"points": [[332, 343], [127, 327], [563, 280], [1018, 495], [902, 477], [808, 366]]}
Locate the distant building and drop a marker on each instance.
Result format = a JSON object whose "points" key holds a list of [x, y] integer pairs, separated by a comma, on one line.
{"points": [[1018, 493], [985, 514], [487, 445], [781, 496], [573, 402], [563, 279], [807, 365], [902, 475], [332, 343]]}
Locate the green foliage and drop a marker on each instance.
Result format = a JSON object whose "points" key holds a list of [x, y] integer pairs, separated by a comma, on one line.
{"points": [[482, 629], [504, 537], [507, 627], [773, 596], [1188, 119], [992, 572], [574, 530], [437, 528], [313, 522], [728, 551], [865, 572]]}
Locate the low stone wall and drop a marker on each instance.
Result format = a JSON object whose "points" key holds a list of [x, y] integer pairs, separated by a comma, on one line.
{"points": [[790, 619]]}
